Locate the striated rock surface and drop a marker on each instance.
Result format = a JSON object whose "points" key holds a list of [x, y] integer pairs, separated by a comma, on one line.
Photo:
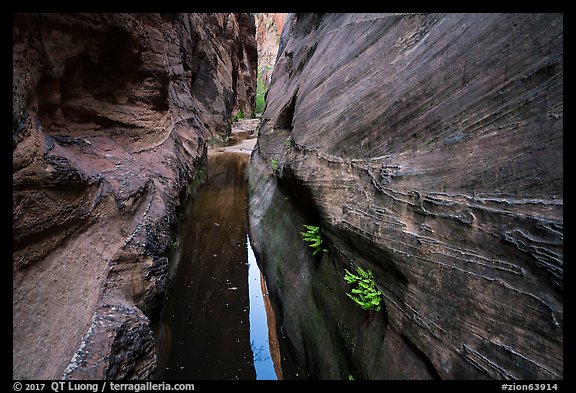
{"points": [[111, 114], [429, 150]]}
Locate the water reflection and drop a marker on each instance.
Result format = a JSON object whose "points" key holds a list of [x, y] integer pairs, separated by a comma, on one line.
{"points": [[214, 322], [259, 343], [205, 329]]}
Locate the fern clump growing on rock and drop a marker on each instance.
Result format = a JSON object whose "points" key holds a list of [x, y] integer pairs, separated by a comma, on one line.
{"points": [[314, 237], [274, 165], [365, 294]]}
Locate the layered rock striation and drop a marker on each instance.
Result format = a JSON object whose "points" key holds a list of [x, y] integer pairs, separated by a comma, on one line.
{"points": [[111, 118], [428, 148]]}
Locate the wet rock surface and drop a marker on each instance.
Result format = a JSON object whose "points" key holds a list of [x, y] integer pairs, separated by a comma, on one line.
{"points": [[243, 136], [111, 114], [429, 150]]}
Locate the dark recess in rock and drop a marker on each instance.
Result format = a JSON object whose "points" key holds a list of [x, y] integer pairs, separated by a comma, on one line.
{"points": [[287, 114]]}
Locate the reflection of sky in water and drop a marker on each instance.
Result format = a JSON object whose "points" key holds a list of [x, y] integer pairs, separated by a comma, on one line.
{"points": [[258, 321]]}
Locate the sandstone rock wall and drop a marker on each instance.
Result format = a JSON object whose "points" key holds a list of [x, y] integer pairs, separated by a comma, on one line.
{"points": [[429, 148], [268, 31], [245, 60], [111, 115]]}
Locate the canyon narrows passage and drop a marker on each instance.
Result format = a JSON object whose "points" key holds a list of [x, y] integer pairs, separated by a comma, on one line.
{"points": [[422, 151], [217, 321]]}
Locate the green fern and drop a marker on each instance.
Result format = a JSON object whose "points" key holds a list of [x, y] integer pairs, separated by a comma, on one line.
{"points": [[314, 237], [274, 165], [365, 294]]}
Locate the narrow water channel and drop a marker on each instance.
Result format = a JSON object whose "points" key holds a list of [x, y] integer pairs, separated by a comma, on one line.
{"points": [[217, 321]]}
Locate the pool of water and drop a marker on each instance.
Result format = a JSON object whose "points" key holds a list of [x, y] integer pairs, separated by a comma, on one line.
{"points": [[259, 330], [217, 321]]}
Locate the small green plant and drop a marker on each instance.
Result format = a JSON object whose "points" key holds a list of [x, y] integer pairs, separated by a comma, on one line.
{"points": [[289, 142], [274, 165], [239, 116], [260, 96], [261, 88], [365, 294], [314, 237], [260, 102], [350, 377], [279, 278]]}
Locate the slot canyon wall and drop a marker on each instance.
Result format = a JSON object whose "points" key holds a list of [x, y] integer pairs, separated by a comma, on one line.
{"points": [[111, 118], [428, 148], [268, 31]]}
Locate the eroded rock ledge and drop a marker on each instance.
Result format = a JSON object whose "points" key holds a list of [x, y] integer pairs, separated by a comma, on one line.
{"points": [[111, 115], [429, 150]]}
